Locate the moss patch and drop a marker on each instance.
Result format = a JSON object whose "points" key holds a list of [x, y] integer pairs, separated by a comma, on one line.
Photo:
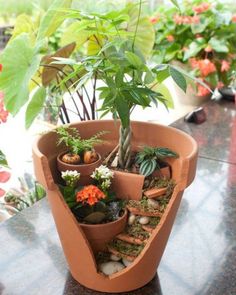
{"points": [[126, 248]]}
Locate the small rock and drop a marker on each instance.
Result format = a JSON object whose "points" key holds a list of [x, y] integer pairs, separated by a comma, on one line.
{"points": [[108, 268], [131, 219], [126, 262], [113, 257], [154, 204], [144, 220]]}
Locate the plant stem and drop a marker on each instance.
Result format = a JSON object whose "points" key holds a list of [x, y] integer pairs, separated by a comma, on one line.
{"points": [[136, 29], [125, 147]]}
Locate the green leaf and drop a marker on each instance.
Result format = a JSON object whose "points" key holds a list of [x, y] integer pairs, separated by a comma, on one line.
{"points": [[35, 106], [175, 3], [74, 33], [218, 45], [133, 59], [24, 24], [200, 27], [145, 36], [53, 18], [161, 88], [165, 153], [20, 62], [123, 110], [3, 160], [178, 78], [172, 51], [148, 166], [194, 48]]}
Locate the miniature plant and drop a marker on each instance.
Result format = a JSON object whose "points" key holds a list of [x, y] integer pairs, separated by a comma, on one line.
{"points": [[150, 157], [79, 149], [92, 203], [102, 176]]}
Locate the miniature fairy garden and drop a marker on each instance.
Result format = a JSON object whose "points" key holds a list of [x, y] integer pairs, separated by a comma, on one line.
{"points": [[95, 202]]}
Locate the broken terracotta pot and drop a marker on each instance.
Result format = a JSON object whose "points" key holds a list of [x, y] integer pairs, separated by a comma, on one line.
{"points": [[77, 248]]}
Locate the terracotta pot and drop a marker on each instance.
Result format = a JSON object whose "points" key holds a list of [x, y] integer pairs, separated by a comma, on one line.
{"points": [[99, 235], [77, 249], [85, 170]]}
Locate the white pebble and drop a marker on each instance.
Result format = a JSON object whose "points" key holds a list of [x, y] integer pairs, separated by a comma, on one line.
{"points": [[108, 268], [144, 220], [131, 219], [114, 257], [154, 204], [126, 262]]}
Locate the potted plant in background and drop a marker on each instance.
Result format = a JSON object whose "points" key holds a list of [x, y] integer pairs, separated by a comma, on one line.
{"points": [[201, 39]]}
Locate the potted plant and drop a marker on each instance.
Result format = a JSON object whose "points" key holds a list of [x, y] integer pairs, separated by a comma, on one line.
{"points": [[81, 155], [120, 63], [100, 214], [201, 39]]}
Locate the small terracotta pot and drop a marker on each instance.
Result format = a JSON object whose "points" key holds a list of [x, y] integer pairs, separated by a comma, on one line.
{"points": [[99, 235], [85, 170]]}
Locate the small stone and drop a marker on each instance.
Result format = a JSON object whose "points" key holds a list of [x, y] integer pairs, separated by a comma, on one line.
{"points": [[131, 219], [126, 262], [154, 204], [144, 220], [113, 257], [108, 268]]}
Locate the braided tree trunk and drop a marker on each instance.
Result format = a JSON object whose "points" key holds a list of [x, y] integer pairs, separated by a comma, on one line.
{"points": [[125, 147]]}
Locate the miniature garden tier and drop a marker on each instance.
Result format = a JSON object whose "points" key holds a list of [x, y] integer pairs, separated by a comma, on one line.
{"points": [[154, 226]]}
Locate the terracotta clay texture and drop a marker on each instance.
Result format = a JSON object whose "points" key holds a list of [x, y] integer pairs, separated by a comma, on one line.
{"points": [[85, 170], [98, 235], [78, 251]]}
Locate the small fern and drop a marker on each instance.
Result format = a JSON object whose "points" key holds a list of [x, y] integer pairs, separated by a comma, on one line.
{"points": [[148, 159], [72, 139]]}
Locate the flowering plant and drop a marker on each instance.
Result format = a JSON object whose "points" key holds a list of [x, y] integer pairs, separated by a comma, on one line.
{"points": [[94, 203], [202, 37]]}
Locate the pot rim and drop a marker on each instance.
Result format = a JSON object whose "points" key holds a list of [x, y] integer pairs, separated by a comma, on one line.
{"points": [[76, 165], [105, 224]]}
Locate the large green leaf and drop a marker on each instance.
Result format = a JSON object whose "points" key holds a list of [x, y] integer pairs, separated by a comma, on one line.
{"points": [[35, 106], [53, 18], [73, 33], [178, 78], [145, 37], [161, 88], [218, 45], [20, 62], [24, 24]]}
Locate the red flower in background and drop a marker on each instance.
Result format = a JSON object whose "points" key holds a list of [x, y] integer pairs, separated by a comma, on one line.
{"points": [[3, 112], [234, 18], [205, 66], [202, 7], [202, 91], [225, 66], [4, 177], [154, 19], [0, 67], [170, 38]]}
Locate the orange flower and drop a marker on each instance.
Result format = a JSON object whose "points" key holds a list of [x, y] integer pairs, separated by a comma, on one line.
{"points": [[234, 18], [154, 19], [202, 91], [202, 7], [225, 66], [205, 66], [170, 38], [0, 67], [90, 194]]}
